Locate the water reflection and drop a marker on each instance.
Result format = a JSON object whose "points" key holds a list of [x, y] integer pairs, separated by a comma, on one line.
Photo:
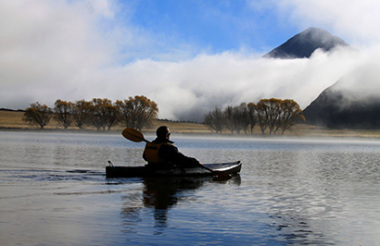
{"points": [[159, 195], [293, 192]]}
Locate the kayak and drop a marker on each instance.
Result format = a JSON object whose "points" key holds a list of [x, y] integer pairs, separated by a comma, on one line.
{"points": [[230, 168]]}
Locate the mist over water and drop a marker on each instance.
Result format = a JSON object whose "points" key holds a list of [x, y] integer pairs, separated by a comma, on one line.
{"points": [[290, 191]]}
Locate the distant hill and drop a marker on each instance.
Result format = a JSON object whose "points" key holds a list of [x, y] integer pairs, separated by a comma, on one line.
{"points": [[352, 102], [11, 110], [305, 43]]}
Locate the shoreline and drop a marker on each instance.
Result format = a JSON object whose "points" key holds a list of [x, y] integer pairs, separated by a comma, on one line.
{"points": [[12, 121], [323, 134]]}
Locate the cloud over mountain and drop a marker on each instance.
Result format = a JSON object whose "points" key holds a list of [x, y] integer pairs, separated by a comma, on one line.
{"points": [[305, 43], [352, 102]]}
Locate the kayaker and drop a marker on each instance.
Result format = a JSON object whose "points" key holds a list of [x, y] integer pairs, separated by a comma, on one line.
{"points": [[162, 152]]}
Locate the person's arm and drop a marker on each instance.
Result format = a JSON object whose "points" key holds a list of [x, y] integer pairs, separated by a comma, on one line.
{"points": [[171, 154]]}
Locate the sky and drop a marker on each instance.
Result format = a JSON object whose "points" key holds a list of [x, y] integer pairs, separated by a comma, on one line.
{"points": [[188, 56]]}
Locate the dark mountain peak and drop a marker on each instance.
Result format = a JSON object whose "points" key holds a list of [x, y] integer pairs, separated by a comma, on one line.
{"points": [[352, 102], [305, 43]]}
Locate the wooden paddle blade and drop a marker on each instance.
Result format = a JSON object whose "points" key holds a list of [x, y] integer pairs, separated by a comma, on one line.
{"points": [[133, 135]]}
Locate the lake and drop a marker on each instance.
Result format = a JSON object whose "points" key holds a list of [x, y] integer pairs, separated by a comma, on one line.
{"points": [[320, 191]]}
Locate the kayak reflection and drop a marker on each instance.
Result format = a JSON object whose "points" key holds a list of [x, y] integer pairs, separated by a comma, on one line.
{"points": [[159, 195]]}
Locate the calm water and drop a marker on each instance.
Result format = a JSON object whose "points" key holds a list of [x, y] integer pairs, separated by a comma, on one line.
{"points": [[290, 191]]}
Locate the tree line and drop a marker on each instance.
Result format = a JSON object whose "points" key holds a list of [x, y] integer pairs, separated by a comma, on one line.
{"points": [[270, 115], [101, 113]]}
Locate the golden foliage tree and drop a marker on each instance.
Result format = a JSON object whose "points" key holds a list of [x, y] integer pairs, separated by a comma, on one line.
{"points": [[103, 113], [291, 114], [269, 112], [137, 112], [276, 114], [63, 113], [38, 114], [270, 115], [81, 113]]}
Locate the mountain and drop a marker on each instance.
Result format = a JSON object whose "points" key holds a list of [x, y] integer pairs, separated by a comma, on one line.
{"points": [[352, 102], [305, 43]]}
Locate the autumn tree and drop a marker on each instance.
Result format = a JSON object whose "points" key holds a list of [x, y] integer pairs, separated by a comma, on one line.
{"points": [[111, 115], [38, 114], [63, 113], [262, 115], [81, 113], [102, 114], [137, 112], [270, 114], [291, 113], [276, 114], [215, 120]]}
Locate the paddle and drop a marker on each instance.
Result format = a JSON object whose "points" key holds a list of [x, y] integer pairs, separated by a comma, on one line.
{"points": [[136, 136], [133, 135]]}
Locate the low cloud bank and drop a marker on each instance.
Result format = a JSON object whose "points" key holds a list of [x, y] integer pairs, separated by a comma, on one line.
{"points": [[73, 51], [187, 90]]}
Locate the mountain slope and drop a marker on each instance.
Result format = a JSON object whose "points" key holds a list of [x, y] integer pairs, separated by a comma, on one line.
{"points": [[352, 102], [305, 43]]}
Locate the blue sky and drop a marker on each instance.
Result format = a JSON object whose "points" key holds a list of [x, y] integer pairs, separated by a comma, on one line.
{"points": [[178, 30], [216, 26], [187, 55], [209, 26]]}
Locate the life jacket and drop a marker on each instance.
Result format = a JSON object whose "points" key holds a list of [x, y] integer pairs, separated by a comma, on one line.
{"points": [[151, 153]]}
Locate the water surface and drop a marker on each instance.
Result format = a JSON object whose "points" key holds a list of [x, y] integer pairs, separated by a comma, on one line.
{"points": [[290, 191]]}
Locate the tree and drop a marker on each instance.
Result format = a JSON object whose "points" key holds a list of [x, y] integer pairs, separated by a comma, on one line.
{"points": [[241, 118], [64, 113], [102, 113], [262, 114], [215, 120], [268, 112], [38, 114], [291, 113], [137, 112], [228, 114], [252, 117], [276, 114], [111, 115], [81, 113]]}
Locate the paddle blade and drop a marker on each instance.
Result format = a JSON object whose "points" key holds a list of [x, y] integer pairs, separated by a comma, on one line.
{"points": [[133, 135]]}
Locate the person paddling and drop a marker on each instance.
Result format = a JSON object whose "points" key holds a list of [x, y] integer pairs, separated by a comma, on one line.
{"points": [[161, 153]]}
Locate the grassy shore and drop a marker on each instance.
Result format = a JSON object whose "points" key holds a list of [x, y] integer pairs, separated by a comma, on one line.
{"points": [[12, 120]]}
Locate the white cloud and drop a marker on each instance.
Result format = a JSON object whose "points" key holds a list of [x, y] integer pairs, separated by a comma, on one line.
{"points": [[72, 50], [355, 21], [190, 88]]}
